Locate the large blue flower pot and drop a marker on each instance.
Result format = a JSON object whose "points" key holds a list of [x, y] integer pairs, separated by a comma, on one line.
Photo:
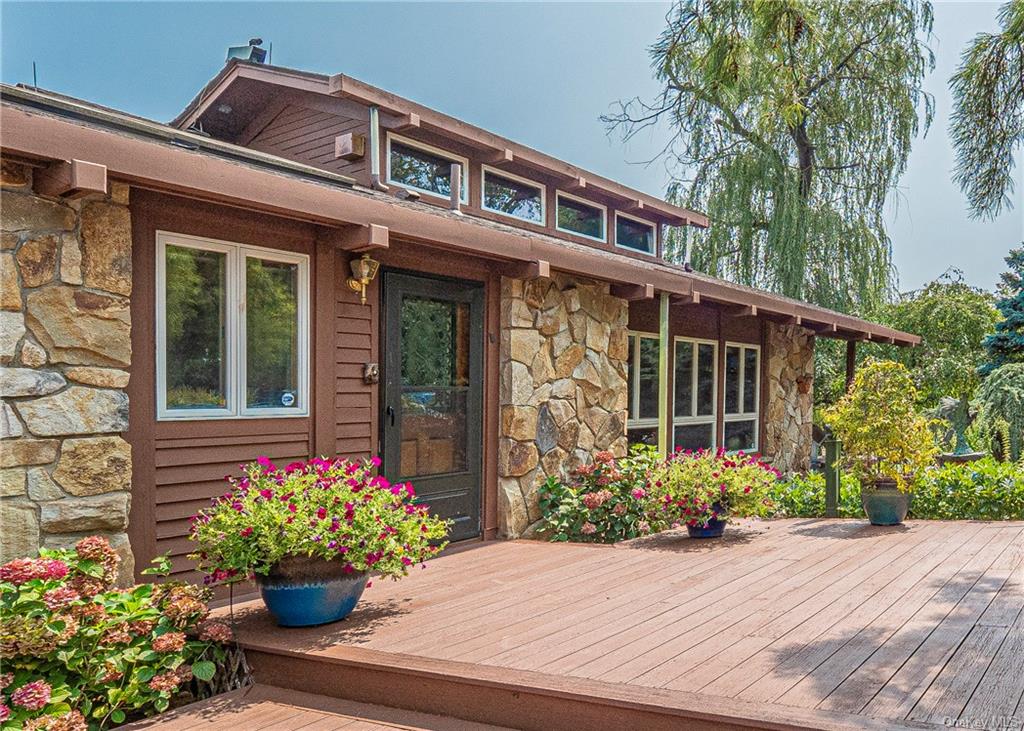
{"points": [[306, 592], [884, 504], [714, 529]]}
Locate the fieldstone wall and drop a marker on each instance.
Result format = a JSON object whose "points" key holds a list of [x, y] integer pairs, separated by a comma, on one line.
{"points": [[563, 386], [65, 350], [790, 405]]}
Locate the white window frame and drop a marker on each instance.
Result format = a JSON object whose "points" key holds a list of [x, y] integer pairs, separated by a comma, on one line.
{"points": [[424, 147], [235, 340], [484, 169], [742, 415], [654, 233], [635, 336], [692, 418], [604, 216]]}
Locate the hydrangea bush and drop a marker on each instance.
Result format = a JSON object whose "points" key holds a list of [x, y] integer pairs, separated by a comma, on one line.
{"points": [[696, 487], [603, 502], [79, 654], [331, 509]]}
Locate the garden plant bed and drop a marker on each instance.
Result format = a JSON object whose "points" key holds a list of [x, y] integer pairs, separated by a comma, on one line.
{"points": [[797, 624]]}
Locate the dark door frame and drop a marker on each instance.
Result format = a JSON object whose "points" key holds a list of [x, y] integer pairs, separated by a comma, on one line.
{"points": [[472, 480]]}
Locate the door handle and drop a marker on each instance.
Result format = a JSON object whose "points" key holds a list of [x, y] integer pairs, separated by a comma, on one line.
{"points": [[390, 411]]}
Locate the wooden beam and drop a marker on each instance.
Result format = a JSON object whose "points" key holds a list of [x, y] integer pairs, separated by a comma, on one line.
{"points": [[822, 328], [350, 146], [537, 269], [633, 292], [686, 299], [576, 184], [635, 206], [70, 179], [401, 123], [743, 311], [370, 237], [851, 362], [500, 157]]}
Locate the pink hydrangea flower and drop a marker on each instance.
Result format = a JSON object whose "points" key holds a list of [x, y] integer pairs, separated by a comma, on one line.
{"points": [[588, 528], [169, 642], [216, 632], [5, 712], [32, 696]]}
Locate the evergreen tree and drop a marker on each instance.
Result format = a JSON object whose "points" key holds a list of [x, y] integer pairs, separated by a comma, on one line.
{"points": [[1006, 344]]}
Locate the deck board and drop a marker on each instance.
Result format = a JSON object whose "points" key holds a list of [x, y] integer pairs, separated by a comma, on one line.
{"points": [[920, 624]]}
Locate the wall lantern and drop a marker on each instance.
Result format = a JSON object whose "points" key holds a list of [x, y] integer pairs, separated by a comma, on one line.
{"points": [[364, 269]]}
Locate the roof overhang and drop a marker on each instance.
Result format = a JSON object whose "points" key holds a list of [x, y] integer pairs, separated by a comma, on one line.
{"points": [[411, 114], [39, 127]]}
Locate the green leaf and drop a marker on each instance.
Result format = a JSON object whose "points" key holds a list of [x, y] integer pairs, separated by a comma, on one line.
{"points": [[204, 670], [117, 716], [161, 704]]}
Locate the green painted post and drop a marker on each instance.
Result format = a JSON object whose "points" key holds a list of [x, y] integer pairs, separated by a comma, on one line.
{"points": [[833, 453], [664, 351]]}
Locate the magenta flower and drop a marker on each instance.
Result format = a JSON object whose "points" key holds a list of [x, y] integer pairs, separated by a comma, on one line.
{"points": [[375, 461], [245, 532]]}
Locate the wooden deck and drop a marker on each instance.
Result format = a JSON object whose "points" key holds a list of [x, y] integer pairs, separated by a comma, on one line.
{"points": [[786, 624]]}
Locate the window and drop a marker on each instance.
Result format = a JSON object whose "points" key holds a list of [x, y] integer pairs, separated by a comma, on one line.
{"points": [[642, 388], [693, 418], [231, 330], [424, 168], [580, 217], [632, 233], [513, 196], [742, 396]]}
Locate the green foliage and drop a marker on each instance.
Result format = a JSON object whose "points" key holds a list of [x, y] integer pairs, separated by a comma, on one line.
{"points": [[603, 502], [983, 490], [78, 653], [792, 122], [272, 331], [697, 487], [332, 509], [987, 123], [952, 319], [803, 496], [1006, 344], [883, 435], [1000, 405]]}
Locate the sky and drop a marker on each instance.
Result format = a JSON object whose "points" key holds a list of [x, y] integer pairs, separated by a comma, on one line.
{"points": [[540, 73]]}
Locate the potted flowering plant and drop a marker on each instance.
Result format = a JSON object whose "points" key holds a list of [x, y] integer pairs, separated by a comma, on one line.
{"points": [[886, 442], [702, 488], [311, 534]]}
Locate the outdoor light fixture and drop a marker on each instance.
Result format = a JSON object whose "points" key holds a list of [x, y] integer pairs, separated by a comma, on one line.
{"points": [[364, 269]]}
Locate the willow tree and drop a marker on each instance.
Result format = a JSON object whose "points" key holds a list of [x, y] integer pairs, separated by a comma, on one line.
{"points": [[791, 122], [987, 124]]}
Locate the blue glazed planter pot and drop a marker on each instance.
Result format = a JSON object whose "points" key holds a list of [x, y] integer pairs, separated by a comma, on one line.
{"points": [[303, 592], [884, 504], [714, 529]]}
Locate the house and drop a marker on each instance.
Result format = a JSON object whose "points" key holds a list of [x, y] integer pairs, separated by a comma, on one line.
{"points": [[302, 264]]}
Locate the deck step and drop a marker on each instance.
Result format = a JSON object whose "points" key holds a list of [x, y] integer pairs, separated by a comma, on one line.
{"points": [[523, 699], [264, 707]]}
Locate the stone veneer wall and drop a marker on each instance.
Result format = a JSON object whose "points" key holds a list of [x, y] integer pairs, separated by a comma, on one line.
{"points": [[790, 405], [563, 386], [65, 350]]}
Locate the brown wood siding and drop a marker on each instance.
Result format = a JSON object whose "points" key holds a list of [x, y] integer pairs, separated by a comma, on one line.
{"points": [[307, 135], [178, 466]]}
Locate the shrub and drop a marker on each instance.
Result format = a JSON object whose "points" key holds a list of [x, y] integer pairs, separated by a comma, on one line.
{"points": [[884, 437], [697, 487], [332, 509], [803, 496], [80, 654], [982, 490], [1000, 406], [603, 502]]}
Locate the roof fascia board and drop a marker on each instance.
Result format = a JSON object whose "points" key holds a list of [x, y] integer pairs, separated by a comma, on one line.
{"points": [[159, 165]]}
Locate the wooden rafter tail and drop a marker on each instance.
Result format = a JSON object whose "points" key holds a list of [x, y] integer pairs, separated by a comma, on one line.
{"points": [[72, 179], [633, 292], [536, 269], [358, 238]]}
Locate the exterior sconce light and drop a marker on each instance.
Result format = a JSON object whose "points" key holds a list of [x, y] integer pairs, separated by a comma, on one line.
{"points": [[364, 269]]}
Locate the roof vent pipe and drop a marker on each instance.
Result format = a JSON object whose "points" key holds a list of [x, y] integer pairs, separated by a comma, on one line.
{"points": [[456, 192], [375, 182]]}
